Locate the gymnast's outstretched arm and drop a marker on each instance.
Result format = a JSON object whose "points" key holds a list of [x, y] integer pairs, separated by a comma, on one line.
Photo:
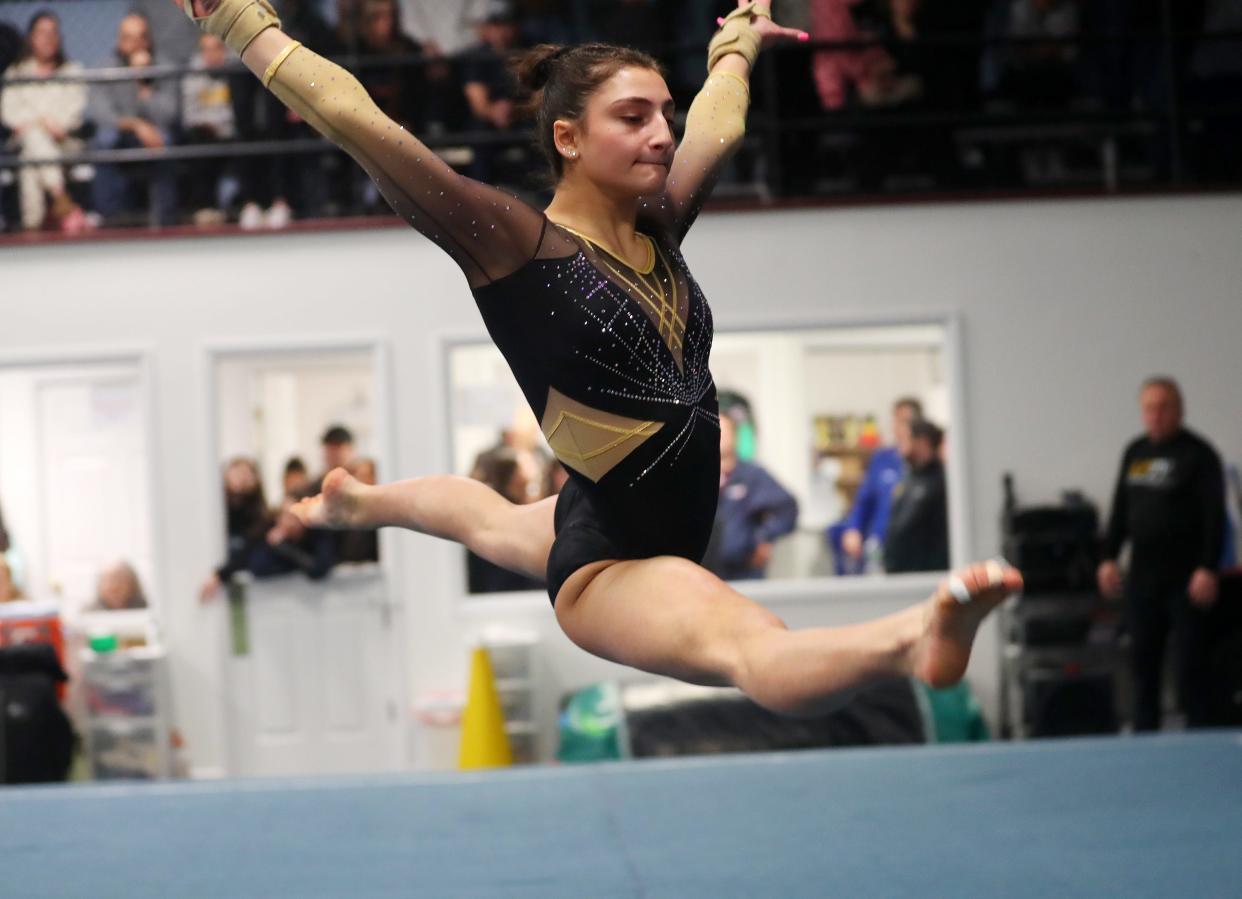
{"points": [[716, 122], [487, 232]]}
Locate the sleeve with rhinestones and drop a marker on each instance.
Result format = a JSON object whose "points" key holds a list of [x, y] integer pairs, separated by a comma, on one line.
{"points": [[487, 232], [715, 127]]}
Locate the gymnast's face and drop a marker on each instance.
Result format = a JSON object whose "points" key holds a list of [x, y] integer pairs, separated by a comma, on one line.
{"points": [[624, 140]]}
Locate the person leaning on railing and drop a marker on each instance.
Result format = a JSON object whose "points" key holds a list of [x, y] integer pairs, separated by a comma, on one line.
{"points": [[135, 114], [45, 120]]}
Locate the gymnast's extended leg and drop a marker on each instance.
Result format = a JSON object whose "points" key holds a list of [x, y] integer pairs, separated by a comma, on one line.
{"points": [[516, 537], [669, 616]]}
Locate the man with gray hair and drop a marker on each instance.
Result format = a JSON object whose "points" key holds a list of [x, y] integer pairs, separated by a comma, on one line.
{"points": [[1169, 505]]}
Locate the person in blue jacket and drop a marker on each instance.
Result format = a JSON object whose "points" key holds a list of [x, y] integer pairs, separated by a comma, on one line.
{"points": [[867, 520], [754, 512]]}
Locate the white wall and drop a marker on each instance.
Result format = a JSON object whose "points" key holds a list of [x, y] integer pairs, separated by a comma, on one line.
{"points": [[1065, 307]]}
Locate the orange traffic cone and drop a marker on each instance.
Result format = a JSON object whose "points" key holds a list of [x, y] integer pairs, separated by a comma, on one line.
{"points": [[484, 743]]}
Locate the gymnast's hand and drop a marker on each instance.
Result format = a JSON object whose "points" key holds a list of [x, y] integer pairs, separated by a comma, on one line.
{"points": [[201, 8], [769, 32]]}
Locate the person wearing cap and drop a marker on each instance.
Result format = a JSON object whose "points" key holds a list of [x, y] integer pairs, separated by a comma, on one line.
{"points": [[918, 526]]}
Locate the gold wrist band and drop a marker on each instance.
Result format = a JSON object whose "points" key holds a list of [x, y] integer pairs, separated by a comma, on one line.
{"points": [[737, 36], [236, 22]]}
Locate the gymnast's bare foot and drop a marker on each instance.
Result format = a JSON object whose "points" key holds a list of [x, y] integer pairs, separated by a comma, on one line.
{"points": [[338, 506], [949, 624]]}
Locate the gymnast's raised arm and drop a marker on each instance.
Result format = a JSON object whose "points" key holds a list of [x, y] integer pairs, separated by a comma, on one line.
{"points": [[716, 121], [487, 232]]}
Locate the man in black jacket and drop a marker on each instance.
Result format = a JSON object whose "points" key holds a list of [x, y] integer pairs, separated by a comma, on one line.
{"points": [[918, 525], [1169, 504]]}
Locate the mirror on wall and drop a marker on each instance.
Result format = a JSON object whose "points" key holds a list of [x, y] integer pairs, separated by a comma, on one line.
{"points": [[836, 447], [75, 487]]}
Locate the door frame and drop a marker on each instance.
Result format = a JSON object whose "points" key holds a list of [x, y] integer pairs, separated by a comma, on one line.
{"points": [[142, 357], [214, 351]]}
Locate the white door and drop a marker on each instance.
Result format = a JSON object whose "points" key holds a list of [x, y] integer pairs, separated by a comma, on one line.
{"points": [[314, 685], [94, 473]]}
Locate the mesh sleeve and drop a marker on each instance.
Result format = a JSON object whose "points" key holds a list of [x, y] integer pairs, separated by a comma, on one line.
{"points": [[487, 232], [715, 126]]}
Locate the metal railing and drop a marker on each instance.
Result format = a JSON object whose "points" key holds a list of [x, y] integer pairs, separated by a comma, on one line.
{"points": [[784, 140]]}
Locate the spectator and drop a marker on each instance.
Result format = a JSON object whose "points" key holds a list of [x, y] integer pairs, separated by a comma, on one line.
{"points": [[244, 499], [869, 74], [1033, 74], [445, 24], [1169, 505], [489, 88], [554, 478], [548, 22], [525, 438], [247, 519], [499, 468], [397, 89], [262, 543], [642, 24], [338, 452], [5, 541], [274, 189], [754, 512], [866, 525], [9, 591], [118, 589], [287, 547], [1215, 82], [345, 33], [11, 44], [166, 24], [296, 480], [45, 120], [138, 114], [365, 471], [918, 527], [207, 118], [400, 90]]}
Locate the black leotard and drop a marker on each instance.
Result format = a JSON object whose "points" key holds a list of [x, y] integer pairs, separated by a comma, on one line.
{"points": [[612, 359], [598, 370]]}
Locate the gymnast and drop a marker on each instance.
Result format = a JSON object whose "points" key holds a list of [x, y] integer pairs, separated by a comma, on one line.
{"points": [[608, 335]]}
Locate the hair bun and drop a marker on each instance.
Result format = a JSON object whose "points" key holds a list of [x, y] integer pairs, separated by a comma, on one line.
{"points": [[534, 68]]}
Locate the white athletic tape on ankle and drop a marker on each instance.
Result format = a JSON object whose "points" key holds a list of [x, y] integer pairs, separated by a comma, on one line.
{"points": [[957, 587]]}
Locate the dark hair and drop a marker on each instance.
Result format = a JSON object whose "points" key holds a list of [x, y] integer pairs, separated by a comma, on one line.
{"points": [[247, 513], [562, 79], [1165, 382], [337, 435], [295, 465], [923, 429], [495, 468], [28, 48], [909, 402]]}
